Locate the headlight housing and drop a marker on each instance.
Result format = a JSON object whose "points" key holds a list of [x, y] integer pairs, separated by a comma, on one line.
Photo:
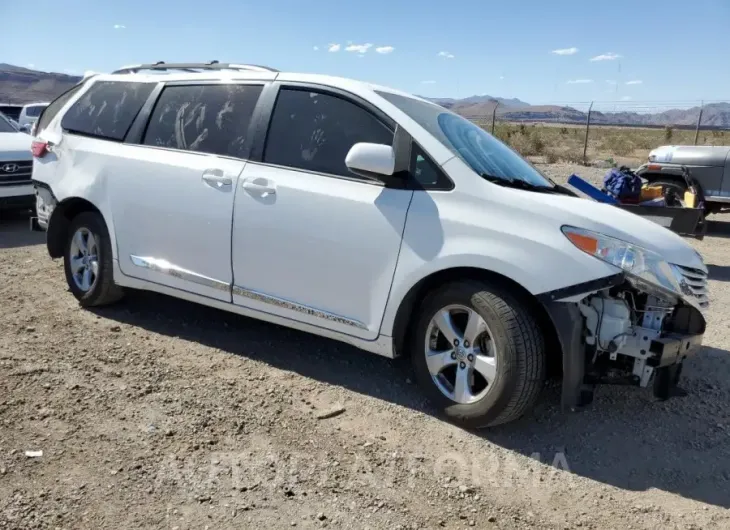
{"points": [[646, 269]]}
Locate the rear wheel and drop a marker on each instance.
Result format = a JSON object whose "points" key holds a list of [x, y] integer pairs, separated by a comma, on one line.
{"points": [[478, 352], [88, 261]]}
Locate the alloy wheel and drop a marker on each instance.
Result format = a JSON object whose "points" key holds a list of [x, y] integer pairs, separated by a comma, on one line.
{"points": [[84, 259], [460, 354]]}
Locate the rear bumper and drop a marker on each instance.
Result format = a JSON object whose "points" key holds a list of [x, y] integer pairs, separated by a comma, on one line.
{"points": [[45, 202]]}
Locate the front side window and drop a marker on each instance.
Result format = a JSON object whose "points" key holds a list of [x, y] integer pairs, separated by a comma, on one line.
{"points": [[107, 109], [205, 118], [481, 151], [54, 107], [314, 131]]}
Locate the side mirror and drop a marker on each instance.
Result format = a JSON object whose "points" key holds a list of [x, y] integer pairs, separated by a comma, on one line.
{"points": [[375, 160]]}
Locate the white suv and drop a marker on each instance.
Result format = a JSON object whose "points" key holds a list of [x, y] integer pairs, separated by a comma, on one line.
{"points": [[16, 163], [366, 215]]}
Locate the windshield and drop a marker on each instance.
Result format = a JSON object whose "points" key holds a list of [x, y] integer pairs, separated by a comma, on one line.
{"points": [[5, 125], [481, 151]]}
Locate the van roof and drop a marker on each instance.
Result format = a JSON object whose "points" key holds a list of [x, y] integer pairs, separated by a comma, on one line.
{"points": [[155, 72]]}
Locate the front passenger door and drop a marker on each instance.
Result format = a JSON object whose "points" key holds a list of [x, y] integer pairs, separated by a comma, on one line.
{"points": [[312, 241]]}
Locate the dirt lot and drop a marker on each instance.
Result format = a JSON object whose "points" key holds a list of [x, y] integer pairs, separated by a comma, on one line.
{"points": [[157, 413]]}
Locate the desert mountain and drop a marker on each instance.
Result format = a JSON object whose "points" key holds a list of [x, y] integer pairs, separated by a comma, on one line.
{"points": [[23, 85]]}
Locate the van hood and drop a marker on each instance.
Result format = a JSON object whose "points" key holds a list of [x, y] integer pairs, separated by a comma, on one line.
{"points": [[15, 146], [614, 222], [690, 155]]}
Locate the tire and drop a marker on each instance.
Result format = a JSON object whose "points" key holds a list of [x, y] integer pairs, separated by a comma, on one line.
{"points": [[517, 364], [101, 288]]}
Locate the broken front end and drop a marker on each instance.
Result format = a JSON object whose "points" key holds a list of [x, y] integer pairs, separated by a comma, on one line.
{"points": [[636, 327]]}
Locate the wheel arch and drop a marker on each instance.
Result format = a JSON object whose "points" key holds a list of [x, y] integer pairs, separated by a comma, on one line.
{"points": [[406, 315], [61, 218]]}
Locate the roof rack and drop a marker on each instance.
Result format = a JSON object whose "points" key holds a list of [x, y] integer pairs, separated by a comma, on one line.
{"points": [[192, 67]]}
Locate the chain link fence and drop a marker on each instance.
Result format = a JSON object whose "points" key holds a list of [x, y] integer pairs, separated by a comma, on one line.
{"points": [[611, 132]]}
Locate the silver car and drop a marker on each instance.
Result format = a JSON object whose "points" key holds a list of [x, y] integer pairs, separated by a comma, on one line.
{"points": [[709, 166]]}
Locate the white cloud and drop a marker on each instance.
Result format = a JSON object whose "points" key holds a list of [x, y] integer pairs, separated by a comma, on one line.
{"points": [[579, 81], [316, 48], [333, 48], [120, 26], [501, 77], [31, 65], [385, 49], [429, 82], [565, 51], [608, 56], [446, 54], [634, 82], [611, 81], [359, 48], [626, 98]]}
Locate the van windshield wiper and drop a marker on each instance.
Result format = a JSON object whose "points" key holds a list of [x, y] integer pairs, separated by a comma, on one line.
{"points": [[511, 182]]}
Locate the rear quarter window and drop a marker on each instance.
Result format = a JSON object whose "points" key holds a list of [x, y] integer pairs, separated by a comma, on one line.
{"points": [[107, 109], [55, 107]]}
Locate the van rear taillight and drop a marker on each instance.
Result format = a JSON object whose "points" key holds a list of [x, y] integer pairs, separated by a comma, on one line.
{"points": [[39, 148]]}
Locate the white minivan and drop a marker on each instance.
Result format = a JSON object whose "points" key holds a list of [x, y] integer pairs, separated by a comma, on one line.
{"points": [[29, 115], [367, 215]]}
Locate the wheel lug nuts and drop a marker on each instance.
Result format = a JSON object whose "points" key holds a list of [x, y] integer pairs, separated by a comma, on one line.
{"points": [[462, 365], [453, 355], [466, 344], [470, 357], [456, 342]]}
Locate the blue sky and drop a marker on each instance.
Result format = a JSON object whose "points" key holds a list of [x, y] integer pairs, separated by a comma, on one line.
{"points": [[538, 51]]}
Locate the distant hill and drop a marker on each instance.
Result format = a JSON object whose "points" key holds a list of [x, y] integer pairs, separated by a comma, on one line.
{"points": [[715, 115], [23, 85]]}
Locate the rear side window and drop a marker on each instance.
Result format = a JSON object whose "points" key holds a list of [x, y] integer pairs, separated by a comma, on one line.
{"points": [[107, 109], [314, 131], [54, 107], [205, 118]]}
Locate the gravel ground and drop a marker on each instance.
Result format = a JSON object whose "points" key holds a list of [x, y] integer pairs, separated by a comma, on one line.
{"points": [[158, 413]]}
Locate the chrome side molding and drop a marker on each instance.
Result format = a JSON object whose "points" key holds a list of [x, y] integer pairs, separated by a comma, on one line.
{"points": [[287, 304], [165, 267]]}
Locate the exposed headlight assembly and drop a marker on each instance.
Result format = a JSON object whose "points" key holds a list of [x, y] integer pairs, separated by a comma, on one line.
{"points": [[647, 270]]}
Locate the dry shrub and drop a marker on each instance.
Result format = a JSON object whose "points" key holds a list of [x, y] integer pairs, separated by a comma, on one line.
{"points": [[574, 156], [537, 144], [619, 144], [551, 157]]}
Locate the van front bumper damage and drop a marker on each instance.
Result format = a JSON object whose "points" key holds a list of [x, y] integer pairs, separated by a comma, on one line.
{"points": [[584, 368]]}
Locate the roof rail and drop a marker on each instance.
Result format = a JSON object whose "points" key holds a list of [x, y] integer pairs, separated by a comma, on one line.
{"points": [[192, 67]]}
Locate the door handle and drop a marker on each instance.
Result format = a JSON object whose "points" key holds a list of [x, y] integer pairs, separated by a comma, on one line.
{"points": [[216, 179], [259, 186]]}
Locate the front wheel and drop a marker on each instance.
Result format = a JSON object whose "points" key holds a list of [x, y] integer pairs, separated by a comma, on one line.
{"points": [[88, 261], [479, 353]]}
